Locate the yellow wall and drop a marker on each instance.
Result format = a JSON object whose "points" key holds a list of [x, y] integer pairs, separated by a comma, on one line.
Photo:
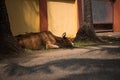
{"points": [[23, 15], [62, 17]]}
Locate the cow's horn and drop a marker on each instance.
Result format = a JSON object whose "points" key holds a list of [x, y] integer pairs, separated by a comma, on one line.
{"points": [[64, 35]]}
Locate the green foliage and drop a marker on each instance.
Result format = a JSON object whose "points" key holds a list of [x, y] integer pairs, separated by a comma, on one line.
{"points": [[81, 44], [90, 43]]}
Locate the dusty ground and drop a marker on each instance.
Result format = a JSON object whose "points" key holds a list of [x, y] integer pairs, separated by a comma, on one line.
{"points": [[89, 63]]}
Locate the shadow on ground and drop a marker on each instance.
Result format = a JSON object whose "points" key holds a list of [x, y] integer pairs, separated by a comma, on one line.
{"points": [[87, 69], [114, 50]]}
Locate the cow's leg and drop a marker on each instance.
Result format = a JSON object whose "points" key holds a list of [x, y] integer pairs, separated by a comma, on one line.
{"points": [[50, 45]]}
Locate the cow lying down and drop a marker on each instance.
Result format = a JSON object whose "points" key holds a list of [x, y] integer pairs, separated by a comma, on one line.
{"points": [[43, 40]]}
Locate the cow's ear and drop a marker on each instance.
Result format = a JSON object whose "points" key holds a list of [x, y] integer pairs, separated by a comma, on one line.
{"points": [[64, 35]]}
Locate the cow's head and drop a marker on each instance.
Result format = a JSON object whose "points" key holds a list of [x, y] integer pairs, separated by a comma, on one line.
{"points": [[65, 42]]}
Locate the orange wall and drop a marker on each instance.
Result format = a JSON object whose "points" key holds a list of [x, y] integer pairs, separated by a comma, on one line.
{"points": [[23, 16], [62, 17], [29, 16], [117, 16]]}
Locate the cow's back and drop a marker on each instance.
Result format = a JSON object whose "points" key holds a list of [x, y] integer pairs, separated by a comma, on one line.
{"points": [[30, 40], [36, 40]]}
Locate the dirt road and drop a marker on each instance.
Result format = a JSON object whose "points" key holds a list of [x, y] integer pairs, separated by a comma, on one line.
{"points": [[89, 63]]}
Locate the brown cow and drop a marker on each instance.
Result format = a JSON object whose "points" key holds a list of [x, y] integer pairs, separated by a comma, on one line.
{"points": [[42, 40]]}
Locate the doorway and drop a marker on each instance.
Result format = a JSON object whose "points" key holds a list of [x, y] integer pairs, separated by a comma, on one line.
{"points": [[102, 15]]}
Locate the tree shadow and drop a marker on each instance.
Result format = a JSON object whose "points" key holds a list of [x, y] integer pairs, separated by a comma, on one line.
{"points": [[110, 38], [88, 69], [114, 50], [93, 76]]}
